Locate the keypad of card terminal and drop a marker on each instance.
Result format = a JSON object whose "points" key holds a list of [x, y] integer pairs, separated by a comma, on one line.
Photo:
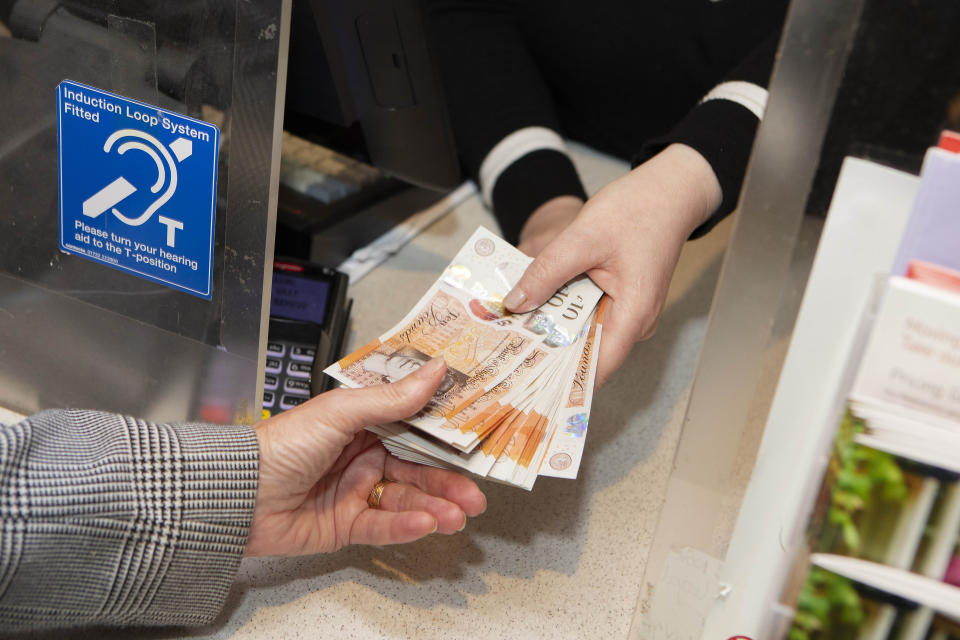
{"points": [[286, 382]]}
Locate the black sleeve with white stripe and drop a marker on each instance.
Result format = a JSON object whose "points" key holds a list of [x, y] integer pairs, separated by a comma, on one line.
{"points": [[495, 89], [544, 70], [106, 519], [529, 181], [722, 127]]}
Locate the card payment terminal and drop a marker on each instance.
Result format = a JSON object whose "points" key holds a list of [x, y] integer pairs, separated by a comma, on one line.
{"points": [[309, 310]]}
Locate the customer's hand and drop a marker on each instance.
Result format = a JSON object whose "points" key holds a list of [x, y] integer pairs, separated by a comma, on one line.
{"points": [[627, 238], [318, 466]]}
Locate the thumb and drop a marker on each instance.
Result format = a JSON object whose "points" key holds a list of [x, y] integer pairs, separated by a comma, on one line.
{"points": [[351, 410], [567, 256]]}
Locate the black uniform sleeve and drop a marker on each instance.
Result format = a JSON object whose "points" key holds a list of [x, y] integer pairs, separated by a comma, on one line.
{"points": [[722, 131], [494, 88]]}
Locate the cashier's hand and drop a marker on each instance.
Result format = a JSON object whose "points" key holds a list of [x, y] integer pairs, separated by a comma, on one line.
{"points": [[318, 466], [627, 238]]}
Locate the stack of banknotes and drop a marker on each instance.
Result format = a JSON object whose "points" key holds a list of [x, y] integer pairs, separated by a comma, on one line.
{"points": [[515, 401]]}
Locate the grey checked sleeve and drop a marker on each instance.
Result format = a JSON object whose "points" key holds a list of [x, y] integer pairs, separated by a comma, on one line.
{"points": [[106, 519]]}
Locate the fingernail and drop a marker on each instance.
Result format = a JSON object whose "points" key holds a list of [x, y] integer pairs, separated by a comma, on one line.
{"points": [[464, 525], [514, 299], [428, 370]]}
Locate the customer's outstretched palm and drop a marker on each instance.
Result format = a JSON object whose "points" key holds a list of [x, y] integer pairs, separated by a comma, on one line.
{"points": [[318, 466]]}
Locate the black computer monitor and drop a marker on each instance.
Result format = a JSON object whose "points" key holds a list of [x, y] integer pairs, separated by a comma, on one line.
{"points": [[361, 81]]}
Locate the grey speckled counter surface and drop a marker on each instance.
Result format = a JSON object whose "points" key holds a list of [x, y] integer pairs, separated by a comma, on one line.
{"points": [[562, 561]]}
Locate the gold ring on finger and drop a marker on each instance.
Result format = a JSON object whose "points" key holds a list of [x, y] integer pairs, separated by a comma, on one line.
{"points": [[373, 500]]}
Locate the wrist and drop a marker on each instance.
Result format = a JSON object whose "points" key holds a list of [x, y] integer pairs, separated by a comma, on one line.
{"points": [[554, 214], [689, 184]]}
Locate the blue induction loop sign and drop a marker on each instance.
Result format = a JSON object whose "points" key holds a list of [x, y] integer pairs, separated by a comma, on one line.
{"points": [[137, 187]]}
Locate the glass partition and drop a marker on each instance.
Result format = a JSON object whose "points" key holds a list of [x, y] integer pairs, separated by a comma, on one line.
{"points": [[77, 332]]}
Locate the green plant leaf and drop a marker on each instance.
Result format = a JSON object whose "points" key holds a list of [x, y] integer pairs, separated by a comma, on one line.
{"points": [[851, 537]]}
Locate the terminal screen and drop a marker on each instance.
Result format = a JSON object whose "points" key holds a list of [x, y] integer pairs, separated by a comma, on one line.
{"points": [[299, 298]]}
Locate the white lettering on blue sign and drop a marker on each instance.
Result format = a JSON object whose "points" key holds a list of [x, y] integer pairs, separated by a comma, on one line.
{"points": [[138, 187]]}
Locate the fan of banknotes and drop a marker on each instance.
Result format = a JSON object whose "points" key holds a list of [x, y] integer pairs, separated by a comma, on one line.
{"points": [[515, 401]]}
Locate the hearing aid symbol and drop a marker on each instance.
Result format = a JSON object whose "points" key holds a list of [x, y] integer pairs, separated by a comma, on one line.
{"points": [[110, 196]]}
